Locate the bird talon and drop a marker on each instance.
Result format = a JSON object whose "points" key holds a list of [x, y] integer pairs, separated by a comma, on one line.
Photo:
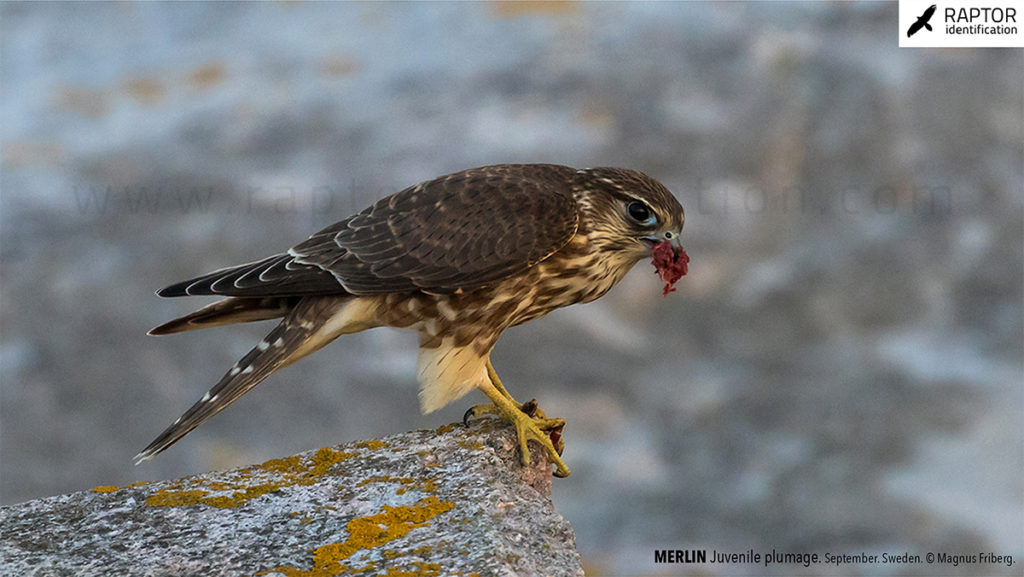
{"points": [[477, 411], [529, 429], [555, 435], [530, 422], [530, 408], [550, 424]]}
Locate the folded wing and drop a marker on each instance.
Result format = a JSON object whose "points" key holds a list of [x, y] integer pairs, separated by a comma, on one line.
{"points": [[457, 232]]}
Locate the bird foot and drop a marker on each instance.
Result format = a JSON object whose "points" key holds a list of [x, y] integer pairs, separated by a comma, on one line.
{"points": [[530, 408], [531, 425]]}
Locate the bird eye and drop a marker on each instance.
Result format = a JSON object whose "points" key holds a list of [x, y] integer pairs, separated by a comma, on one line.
{"points": [[640, 212]]}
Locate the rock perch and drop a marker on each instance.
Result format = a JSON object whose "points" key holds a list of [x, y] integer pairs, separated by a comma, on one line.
{"points": [[454, 501]]}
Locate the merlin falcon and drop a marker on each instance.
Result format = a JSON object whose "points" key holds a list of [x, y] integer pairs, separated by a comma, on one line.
{"points": [[457, 259]]}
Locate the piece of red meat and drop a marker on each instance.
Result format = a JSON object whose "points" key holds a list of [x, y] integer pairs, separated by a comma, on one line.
{"points": [[671, 262]]}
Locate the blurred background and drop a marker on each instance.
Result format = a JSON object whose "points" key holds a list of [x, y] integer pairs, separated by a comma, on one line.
{"points": [[841, 370]]}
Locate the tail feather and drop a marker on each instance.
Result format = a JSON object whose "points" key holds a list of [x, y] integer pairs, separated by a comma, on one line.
{"points": [[298, 335], [229, 311]]}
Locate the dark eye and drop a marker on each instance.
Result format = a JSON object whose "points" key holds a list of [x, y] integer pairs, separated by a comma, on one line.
{"points": [[640, 212]]}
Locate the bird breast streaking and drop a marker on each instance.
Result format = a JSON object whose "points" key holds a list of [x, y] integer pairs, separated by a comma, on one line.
{"points": [[457, 259]]}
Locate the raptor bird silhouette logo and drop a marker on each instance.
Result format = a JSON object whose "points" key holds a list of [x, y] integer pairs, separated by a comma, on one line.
{"points": [[922, 21]]}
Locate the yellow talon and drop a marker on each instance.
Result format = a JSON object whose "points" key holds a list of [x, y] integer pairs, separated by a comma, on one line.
{"points": [[530, 422]]}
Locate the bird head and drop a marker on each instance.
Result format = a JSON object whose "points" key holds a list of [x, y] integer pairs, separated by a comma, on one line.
{"points": [[628, 213]]}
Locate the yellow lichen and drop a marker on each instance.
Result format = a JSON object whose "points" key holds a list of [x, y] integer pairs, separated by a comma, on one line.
{"points": [[372, 445], [370, 532], [112, 488], [385, 479], [171, 498], [177, 498], [475, 445], [428, 485], [424, 549], [289, 472], [326, 458]]}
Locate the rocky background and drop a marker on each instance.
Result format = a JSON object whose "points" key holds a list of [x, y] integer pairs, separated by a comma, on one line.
{"points": [[841, 370]]}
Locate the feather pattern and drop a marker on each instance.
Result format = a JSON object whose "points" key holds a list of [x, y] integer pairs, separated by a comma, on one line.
{"points": [[299, 334], [449, 234]]}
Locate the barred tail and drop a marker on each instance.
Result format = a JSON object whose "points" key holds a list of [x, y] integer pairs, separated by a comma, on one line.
{"points": [[298, 335]]}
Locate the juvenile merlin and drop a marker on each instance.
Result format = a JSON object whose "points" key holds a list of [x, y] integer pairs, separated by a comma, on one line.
{"points": [[458, 259]]}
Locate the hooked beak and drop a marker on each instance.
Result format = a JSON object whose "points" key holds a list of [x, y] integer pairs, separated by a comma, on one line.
{"points": [[671, 236]]}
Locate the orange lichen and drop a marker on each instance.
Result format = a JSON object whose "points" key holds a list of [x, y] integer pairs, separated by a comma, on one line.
{"points": [[171, 498], [385, 479], [428, 485], [112, 488], [474, 445], [424, 549], [372, 445], [289, 472], [446, 428], [370, 532]]}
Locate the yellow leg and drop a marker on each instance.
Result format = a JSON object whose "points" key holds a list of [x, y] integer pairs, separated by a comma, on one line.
{"points": [[527, 428], [497, 381], [530, 422]]}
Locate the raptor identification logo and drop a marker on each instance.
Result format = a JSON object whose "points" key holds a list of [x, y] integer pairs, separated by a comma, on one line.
{"points": [[961, 23]]}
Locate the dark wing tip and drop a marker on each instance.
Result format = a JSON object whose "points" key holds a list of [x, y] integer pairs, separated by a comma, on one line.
{"points": [[175, 290], [164, 329]]}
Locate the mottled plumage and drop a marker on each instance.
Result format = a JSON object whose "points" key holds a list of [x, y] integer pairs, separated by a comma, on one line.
{"points": [[458, 259]]}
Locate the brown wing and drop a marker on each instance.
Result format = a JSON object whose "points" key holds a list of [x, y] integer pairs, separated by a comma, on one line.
{"points": [[460, 231]]}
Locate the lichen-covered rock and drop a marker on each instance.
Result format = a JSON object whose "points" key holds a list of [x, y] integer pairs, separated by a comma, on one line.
{"points": [[454, 501]]}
